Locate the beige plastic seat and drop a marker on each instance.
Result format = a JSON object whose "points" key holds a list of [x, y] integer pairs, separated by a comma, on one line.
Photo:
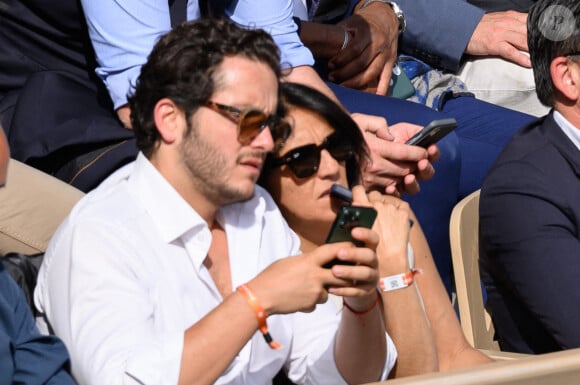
{"points": [[463, 232]]}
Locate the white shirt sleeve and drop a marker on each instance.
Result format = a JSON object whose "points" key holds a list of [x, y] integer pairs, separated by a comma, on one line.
{"points": [[99, 303], [275, 17], [123, 32]]}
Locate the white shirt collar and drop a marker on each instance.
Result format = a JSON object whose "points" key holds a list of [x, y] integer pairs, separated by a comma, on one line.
{"points": [[163, 203], [573, 133]]}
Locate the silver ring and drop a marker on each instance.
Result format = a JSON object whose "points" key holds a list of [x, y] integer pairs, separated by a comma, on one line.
{"points": [[346, 40]]}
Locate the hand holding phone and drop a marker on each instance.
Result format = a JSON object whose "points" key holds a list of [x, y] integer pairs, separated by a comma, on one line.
{"points": [[347, 218], [433, 132]]}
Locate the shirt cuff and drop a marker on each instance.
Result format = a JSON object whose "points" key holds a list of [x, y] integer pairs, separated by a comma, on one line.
{"points": [[121, 84]]}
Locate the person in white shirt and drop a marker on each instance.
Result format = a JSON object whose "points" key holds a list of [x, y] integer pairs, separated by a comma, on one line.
{"points": [[179, 270]]}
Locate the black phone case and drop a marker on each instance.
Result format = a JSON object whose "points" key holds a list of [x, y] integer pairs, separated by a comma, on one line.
{"points": [[346, 219]]}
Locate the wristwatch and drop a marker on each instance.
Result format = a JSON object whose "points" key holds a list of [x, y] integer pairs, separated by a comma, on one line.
{"points": [[398, 12]]}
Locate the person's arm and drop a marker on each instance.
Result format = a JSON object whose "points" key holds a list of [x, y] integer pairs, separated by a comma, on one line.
{"points": [[453, 350], [36, 358], [438, 32], [502, 34], [360, 340], [404, 316], [362, 48], [323, 40], [275, 17], [123, 34], [367, 60]]}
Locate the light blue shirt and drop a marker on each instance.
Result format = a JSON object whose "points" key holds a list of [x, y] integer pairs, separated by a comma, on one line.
{"points": [[123, 33]]}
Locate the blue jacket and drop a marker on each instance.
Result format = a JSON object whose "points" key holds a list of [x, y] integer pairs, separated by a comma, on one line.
{"points": [[438, 31], [26, 356]]}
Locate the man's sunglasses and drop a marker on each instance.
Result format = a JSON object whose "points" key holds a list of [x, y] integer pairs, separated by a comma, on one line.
{"points": [[304, 161], [250, 122]]}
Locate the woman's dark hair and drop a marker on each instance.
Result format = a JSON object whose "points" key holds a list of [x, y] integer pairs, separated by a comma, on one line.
{"points": [[182, 67], [294, 95]]}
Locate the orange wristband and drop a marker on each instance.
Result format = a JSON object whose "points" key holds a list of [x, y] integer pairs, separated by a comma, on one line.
{"points": [[260, 313]]}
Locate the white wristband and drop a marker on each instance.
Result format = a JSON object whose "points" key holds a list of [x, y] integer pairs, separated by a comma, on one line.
{"points": [[399, 281]]}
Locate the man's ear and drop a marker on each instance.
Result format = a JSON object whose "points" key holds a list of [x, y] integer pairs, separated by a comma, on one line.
{"points": [[169, 120], [565, 77]]}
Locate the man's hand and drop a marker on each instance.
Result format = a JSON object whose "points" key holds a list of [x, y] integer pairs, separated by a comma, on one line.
{"points": [[395, 167], [124, 114], [299, 283], [501, 34], [368, 59]]}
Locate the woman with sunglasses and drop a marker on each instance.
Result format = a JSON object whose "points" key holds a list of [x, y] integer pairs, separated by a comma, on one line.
{"points": [[326, 148]]}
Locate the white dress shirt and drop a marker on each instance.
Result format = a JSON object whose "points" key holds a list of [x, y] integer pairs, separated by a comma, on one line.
{"points": [[123, 278]]}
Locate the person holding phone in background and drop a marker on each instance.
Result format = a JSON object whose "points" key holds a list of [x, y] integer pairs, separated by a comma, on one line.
{"points": [[180, 269], [326, 148]]}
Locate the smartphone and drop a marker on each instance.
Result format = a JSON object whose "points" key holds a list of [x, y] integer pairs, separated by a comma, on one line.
{"points": [[342, 193], [400, 86], [347, 218], [433, 132]]}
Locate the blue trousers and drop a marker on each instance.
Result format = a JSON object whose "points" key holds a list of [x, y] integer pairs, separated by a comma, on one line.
{"points": [[483, 129]]}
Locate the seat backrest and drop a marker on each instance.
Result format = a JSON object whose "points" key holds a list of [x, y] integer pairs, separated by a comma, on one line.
{"points": [[463, 232]]}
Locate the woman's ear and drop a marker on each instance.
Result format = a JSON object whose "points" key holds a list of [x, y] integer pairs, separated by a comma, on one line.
{"points": [[169, 120], [565, 76]]}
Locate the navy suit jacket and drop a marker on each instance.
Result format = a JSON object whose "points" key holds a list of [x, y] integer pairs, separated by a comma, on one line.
{"points": [[530, 241], [55, 111]]}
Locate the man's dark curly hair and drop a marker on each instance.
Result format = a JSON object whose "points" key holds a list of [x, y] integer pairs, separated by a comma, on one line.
{"points": [[182, 67]]}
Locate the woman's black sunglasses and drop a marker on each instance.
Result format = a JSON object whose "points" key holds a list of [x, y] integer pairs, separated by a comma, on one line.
{"points": [[304, 161], [250, 122]]}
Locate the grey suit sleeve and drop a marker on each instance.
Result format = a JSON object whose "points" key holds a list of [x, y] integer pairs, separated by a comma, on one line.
{"points": [[438, 31]]}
